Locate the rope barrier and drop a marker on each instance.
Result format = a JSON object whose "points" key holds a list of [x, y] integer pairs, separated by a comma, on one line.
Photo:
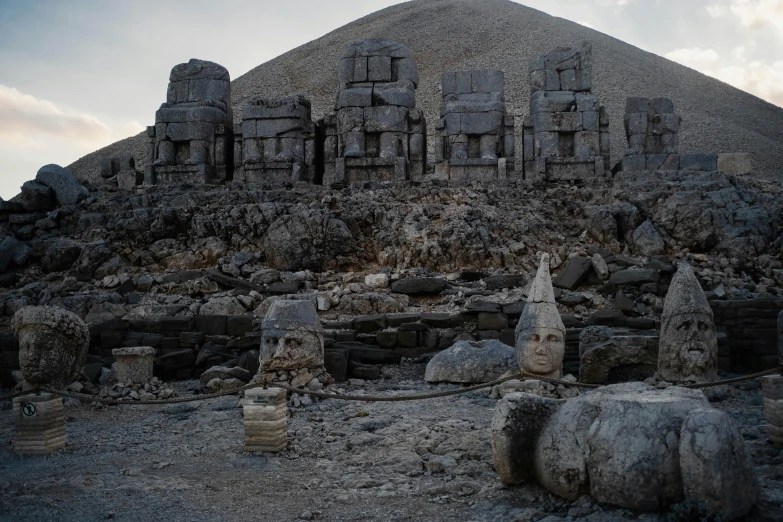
{"points": [[365, 398]]}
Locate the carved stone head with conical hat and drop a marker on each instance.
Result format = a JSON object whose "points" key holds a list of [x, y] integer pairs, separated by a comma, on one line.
{"points": [[688, 347], [292, 337], [540, 333]]}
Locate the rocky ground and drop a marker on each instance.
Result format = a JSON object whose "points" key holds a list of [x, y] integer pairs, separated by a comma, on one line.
{"points": [[346, 461]]}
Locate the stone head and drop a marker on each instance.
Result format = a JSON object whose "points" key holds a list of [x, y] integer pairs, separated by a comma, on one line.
{"points": [[688, 345], [53, 344], [292, 337], [540, 333]]}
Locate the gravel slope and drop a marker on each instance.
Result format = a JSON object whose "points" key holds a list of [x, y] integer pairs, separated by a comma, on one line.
{"points": [[461, 34]]}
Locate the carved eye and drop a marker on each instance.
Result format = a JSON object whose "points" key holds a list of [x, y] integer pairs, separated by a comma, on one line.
{"points": [[552, 338], [703, 327], [535, 338], [685, 325]]}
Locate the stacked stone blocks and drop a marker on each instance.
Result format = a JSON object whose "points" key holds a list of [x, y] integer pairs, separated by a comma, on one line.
{"points": [[192, 140], [39, 424], [566, 137], [276, 141], [376, 133], [476, 135], [265, 420]]}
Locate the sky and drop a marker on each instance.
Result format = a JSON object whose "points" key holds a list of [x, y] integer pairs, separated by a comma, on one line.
{"points": [[76, 75]]}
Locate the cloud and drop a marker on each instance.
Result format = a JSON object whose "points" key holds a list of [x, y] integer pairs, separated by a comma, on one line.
{"points": [[30, 121], [755, 14], [716, 11], [695, 57], [586, 24], [762, 79]]}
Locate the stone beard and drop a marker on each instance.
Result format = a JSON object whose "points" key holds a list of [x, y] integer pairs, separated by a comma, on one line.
{"points": [[291, 349], [688, 348], [540, 351]]}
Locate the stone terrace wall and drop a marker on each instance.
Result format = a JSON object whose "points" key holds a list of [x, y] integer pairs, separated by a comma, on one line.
{"points": [[751, 329]]}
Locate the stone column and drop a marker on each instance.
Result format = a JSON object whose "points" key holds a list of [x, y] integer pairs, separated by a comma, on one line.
{"points": [[39, 424], [134, 365], [772, 389], [265, 420]]}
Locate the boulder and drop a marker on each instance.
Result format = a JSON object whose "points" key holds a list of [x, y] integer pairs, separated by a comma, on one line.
{"points": [[61, 254], [310, 239], [65, 186], [470, 362], [646, 241], [37, 197], [220, 385], [12, 251], [574, 273]]}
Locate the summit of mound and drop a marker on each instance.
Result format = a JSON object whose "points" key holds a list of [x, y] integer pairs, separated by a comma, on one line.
{"points": [[447, 35]]}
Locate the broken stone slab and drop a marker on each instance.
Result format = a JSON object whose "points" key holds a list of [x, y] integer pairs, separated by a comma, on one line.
{"points": [[574, 274], [470, 362], [634, 277], [499, 282], [646, 240], [419, 285]]}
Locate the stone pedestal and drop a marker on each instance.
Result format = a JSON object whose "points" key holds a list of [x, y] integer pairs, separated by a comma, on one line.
{"points": [[265, 420], [772, 389], [134, 364], [39, 424]]}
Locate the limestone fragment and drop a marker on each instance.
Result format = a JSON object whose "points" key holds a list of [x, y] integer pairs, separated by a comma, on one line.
{"points": [[471, 362]]}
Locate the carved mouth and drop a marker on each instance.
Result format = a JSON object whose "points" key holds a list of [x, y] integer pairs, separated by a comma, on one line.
{"points": [[695, 350]]}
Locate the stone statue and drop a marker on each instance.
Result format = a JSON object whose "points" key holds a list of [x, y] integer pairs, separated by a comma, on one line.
{"points": [[292, 337], [627, 444], [192, 139], [53, 345], [476, 138], [688, 345], [540, 333]]}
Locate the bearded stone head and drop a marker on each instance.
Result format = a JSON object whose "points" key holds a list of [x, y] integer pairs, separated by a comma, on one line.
{"points": [[540, 333], [292, 337], [53, 345], [688, 348]]}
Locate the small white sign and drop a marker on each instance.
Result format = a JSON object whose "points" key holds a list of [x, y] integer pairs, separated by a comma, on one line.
{"points": [[29, 409]]}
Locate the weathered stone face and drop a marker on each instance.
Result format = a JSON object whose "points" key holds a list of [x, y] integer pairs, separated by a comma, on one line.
{"points": [[291, 349], [543, 350], [292, 337], [540, 333], [689, 345], [53, 345]]}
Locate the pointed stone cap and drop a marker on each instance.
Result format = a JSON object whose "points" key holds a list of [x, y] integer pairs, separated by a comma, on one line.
{"points": [[541, 310], [685, 295], [292, 315]]}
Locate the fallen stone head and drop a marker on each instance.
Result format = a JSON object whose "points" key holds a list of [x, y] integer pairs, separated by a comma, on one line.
{"points": [[53, 345], [292, 337]]}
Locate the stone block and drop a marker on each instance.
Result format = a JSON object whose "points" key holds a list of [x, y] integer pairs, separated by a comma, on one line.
{"points": [[736, 164], [699, 162], [481, 123], [436, 320], [264, 417], [39, 424], [492, 321], [211, 324], [394, 94], [135, 364], [499, 282], [354, 97], [634, 277], [386, 339], [606, 318], [386, 119], [407, 338], [336, 363], [395, 320], [556, 121], [419, 285], [369, 323], [552, 101], [238, 325], [379, 69]]}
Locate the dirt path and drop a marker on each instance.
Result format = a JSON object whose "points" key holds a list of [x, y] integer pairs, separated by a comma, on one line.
{"points": [[428, 460]]}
